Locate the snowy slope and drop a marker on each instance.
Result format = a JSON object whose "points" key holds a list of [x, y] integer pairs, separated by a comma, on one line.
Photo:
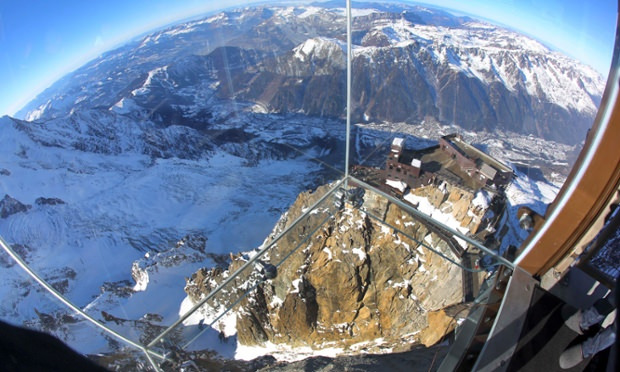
{"points": [[492, 54], [528, 192], [138, 188]]}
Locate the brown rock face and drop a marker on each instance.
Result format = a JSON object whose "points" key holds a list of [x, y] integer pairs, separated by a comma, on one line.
{"points": [[456, 202], [439, 324], [353, 281]]}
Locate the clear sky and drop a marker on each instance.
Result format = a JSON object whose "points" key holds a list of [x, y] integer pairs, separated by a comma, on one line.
{"points": [[41, 40]]}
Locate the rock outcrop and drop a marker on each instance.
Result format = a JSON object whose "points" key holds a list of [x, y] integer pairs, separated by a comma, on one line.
{"points": [[49, 201], [458, 203], [351, 282], [190, 248], [10, 206]]}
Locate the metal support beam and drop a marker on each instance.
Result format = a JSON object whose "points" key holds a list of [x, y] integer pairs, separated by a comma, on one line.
{"points": [[506, 332], [583, 199], [349, 58], [48, 287], [249, 263]]}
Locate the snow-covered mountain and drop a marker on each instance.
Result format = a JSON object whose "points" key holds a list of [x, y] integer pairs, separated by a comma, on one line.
{"points": [[409, 63], [206, 131], [475, 75], [99, 190]]}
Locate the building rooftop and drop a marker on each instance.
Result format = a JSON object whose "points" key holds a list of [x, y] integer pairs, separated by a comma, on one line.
{"points": [[474, 153], [488, 171]]}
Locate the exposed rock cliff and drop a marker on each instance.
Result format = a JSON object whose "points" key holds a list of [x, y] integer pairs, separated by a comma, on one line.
{"points": [[9, 206], [355, 284]]}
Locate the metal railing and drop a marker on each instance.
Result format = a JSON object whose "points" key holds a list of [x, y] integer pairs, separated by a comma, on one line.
{"points": [[148, 349], [152, 354]]}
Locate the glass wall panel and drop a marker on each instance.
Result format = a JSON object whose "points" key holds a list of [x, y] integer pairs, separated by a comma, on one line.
{"points": [[496, 98], [29, 307], [171, 152], [190, 187]]}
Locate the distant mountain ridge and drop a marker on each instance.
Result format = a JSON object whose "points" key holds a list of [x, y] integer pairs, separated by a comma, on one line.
{"points": [[410, 62], [210, 128]]}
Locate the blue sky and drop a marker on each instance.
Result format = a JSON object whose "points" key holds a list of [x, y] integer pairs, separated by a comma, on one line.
{"points": [[41, 40]]}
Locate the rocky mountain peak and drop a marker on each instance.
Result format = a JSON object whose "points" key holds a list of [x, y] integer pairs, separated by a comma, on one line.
{"points": [[319, 48], [355, 282], [316, 56]]}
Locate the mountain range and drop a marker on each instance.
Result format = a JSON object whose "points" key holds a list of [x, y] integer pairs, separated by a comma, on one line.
{"points": [[206, 131], [409, 63]]}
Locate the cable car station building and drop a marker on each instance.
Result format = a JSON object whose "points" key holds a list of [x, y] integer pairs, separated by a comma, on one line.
{"points": [[453, 160]]}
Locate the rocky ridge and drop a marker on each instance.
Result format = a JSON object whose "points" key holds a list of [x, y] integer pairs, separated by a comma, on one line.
{"points": [[355, 284]]}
